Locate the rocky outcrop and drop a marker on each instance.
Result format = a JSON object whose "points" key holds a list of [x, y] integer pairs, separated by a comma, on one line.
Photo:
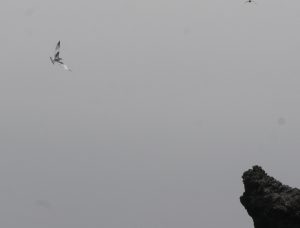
{"points": [[270, 203]]}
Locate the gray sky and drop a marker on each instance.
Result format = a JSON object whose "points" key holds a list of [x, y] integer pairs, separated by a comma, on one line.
{"points": [[168, 103]]}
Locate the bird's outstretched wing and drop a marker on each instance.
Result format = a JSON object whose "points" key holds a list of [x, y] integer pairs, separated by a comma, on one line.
{"points": [[56, 55], [57, 49], [52, 60], [57, 46]]}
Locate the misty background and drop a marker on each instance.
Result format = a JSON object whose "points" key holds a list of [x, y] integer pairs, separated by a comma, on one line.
{"points": [[168, 103]]}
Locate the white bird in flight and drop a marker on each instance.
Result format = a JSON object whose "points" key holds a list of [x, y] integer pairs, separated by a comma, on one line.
{"points": [[57, 59]]}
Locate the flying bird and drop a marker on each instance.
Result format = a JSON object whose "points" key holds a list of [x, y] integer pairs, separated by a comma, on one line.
{"points": [[58, 59], [250, 1]]}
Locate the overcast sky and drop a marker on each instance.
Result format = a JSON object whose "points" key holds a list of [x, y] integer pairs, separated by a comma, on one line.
{"points": [[168, 103]]}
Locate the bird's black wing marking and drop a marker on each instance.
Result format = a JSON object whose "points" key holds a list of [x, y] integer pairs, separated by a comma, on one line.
{"points": [[57, 46], [56, 55], [52, 60]]}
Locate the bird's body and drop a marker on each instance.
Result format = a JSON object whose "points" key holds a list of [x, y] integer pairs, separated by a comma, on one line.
{"points": [[250, 1], [66, 67], [57, 59]]}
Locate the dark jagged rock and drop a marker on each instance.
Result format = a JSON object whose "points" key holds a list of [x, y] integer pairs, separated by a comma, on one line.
{"points": [[270, 203]]}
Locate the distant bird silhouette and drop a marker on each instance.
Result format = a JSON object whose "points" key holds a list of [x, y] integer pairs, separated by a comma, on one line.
{"points": [[57, 59], [250, 1]]}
